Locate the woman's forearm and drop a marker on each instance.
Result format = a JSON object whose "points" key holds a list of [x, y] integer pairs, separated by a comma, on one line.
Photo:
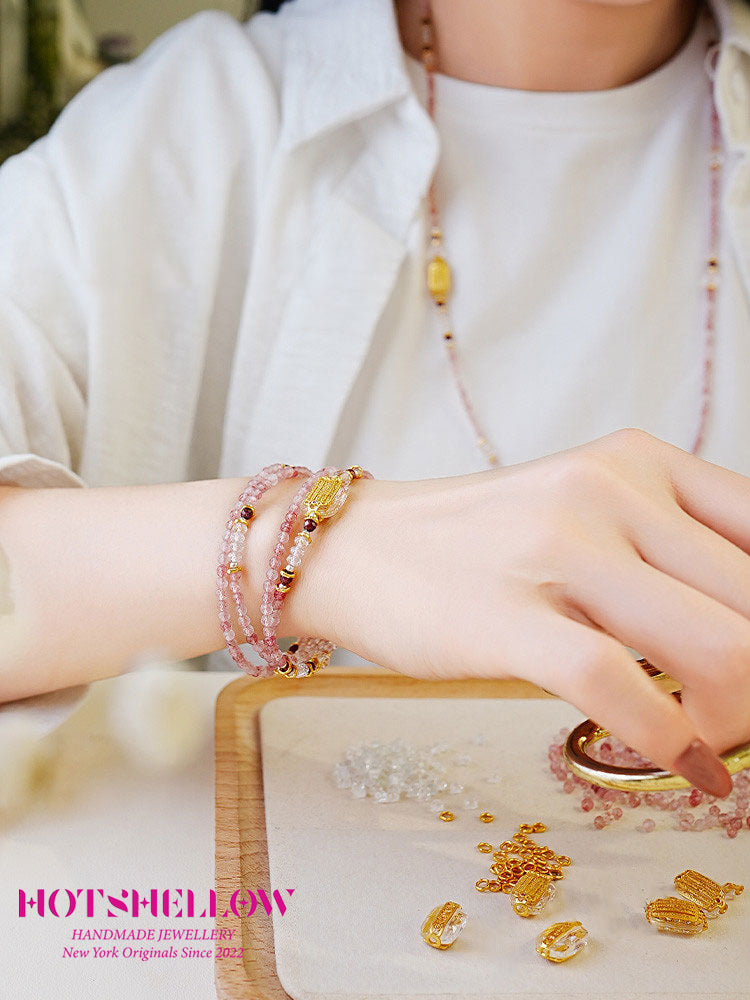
{"points": [[90, 578]]}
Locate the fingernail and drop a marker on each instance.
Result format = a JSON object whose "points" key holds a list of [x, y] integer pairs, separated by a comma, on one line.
{"points": [[702, 768]]}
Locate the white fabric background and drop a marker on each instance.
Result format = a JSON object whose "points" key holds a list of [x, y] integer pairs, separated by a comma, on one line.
{"points": [[367, 874]]}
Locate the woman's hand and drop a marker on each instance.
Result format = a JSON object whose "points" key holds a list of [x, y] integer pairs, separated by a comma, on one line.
{"points": [[546, 571]]}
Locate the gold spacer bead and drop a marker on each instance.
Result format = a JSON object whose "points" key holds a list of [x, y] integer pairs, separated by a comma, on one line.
{"points": [[235, 568], [447, 816], [287, 669], [486, 817], [484, 847], [439, 279]]}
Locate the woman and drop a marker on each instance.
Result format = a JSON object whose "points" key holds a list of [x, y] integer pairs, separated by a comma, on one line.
{"points": [[216, 260]]}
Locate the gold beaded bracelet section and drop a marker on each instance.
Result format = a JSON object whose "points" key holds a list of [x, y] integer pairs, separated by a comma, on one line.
{"points": [[325, 497]]}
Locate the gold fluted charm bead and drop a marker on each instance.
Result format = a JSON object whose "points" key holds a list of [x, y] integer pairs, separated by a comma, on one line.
{"points": [[531, 893], [443, 925], [703, 891], [439, 279], [562, 941], [676, 916]]}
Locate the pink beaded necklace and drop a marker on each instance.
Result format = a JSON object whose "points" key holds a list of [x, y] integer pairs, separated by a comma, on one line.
{"points": [[439, 272]]}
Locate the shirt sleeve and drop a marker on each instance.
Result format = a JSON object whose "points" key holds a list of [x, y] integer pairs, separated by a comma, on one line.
{"points": [[42, 331], [42, 366], [146, 150]]}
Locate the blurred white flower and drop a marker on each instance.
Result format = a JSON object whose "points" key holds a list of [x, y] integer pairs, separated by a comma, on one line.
{"points": [[157, 718], [23, 760]]}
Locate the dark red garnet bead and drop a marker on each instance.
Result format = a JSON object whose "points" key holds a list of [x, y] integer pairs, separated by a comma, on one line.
{"points": [[247, 513], [310, 524]]}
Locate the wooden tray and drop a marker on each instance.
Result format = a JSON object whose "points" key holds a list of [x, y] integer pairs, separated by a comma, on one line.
{"points": [[241, 849]]}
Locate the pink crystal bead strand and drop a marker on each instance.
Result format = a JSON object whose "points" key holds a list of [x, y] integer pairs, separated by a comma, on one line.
{"points": [[249, 633], [231, 555], [692, 809], [711, 279]]}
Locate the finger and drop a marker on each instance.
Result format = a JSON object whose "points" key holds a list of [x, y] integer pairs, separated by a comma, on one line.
{"points": [[675, 543], [594, 672], [694, 638], [717, 497]]}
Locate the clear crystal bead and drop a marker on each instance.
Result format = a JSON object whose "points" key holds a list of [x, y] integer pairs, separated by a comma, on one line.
{"points": [[454, 927]]}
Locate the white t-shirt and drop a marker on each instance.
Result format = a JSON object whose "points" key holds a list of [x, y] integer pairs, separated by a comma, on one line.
{"points": [[576, 226]]}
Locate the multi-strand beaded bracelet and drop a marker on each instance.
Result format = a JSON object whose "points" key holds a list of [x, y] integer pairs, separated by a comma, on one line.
{"points": [[321, 495]]}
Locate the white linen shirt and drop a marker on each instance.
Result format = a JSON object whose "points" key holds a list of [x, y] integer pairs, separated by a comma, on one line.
{"points": [[194, 260]]}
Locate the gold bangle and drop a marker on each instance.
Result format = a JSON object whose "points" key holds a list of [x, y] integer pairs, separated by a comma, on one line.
{"points": [[645, 779]]}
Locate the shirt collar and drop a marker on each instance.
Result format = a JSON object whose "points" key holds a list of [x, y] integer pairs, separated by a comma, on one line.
{"points": [[342, 60], [733, 20]]}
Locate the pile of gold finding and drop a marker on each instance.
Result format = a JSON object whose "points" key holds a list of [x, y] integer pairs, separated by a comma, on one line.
{"points": [[518, 857]]}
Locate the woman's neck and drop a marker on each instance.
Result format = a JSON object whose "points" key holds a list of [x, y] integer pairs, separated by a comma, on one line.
{"points": [[556, 45]]}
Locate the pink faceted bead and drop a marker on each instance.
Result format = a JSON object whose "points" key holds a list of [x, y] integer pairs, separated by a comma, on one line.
{"points": [[647, 826], [587, 804]]}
